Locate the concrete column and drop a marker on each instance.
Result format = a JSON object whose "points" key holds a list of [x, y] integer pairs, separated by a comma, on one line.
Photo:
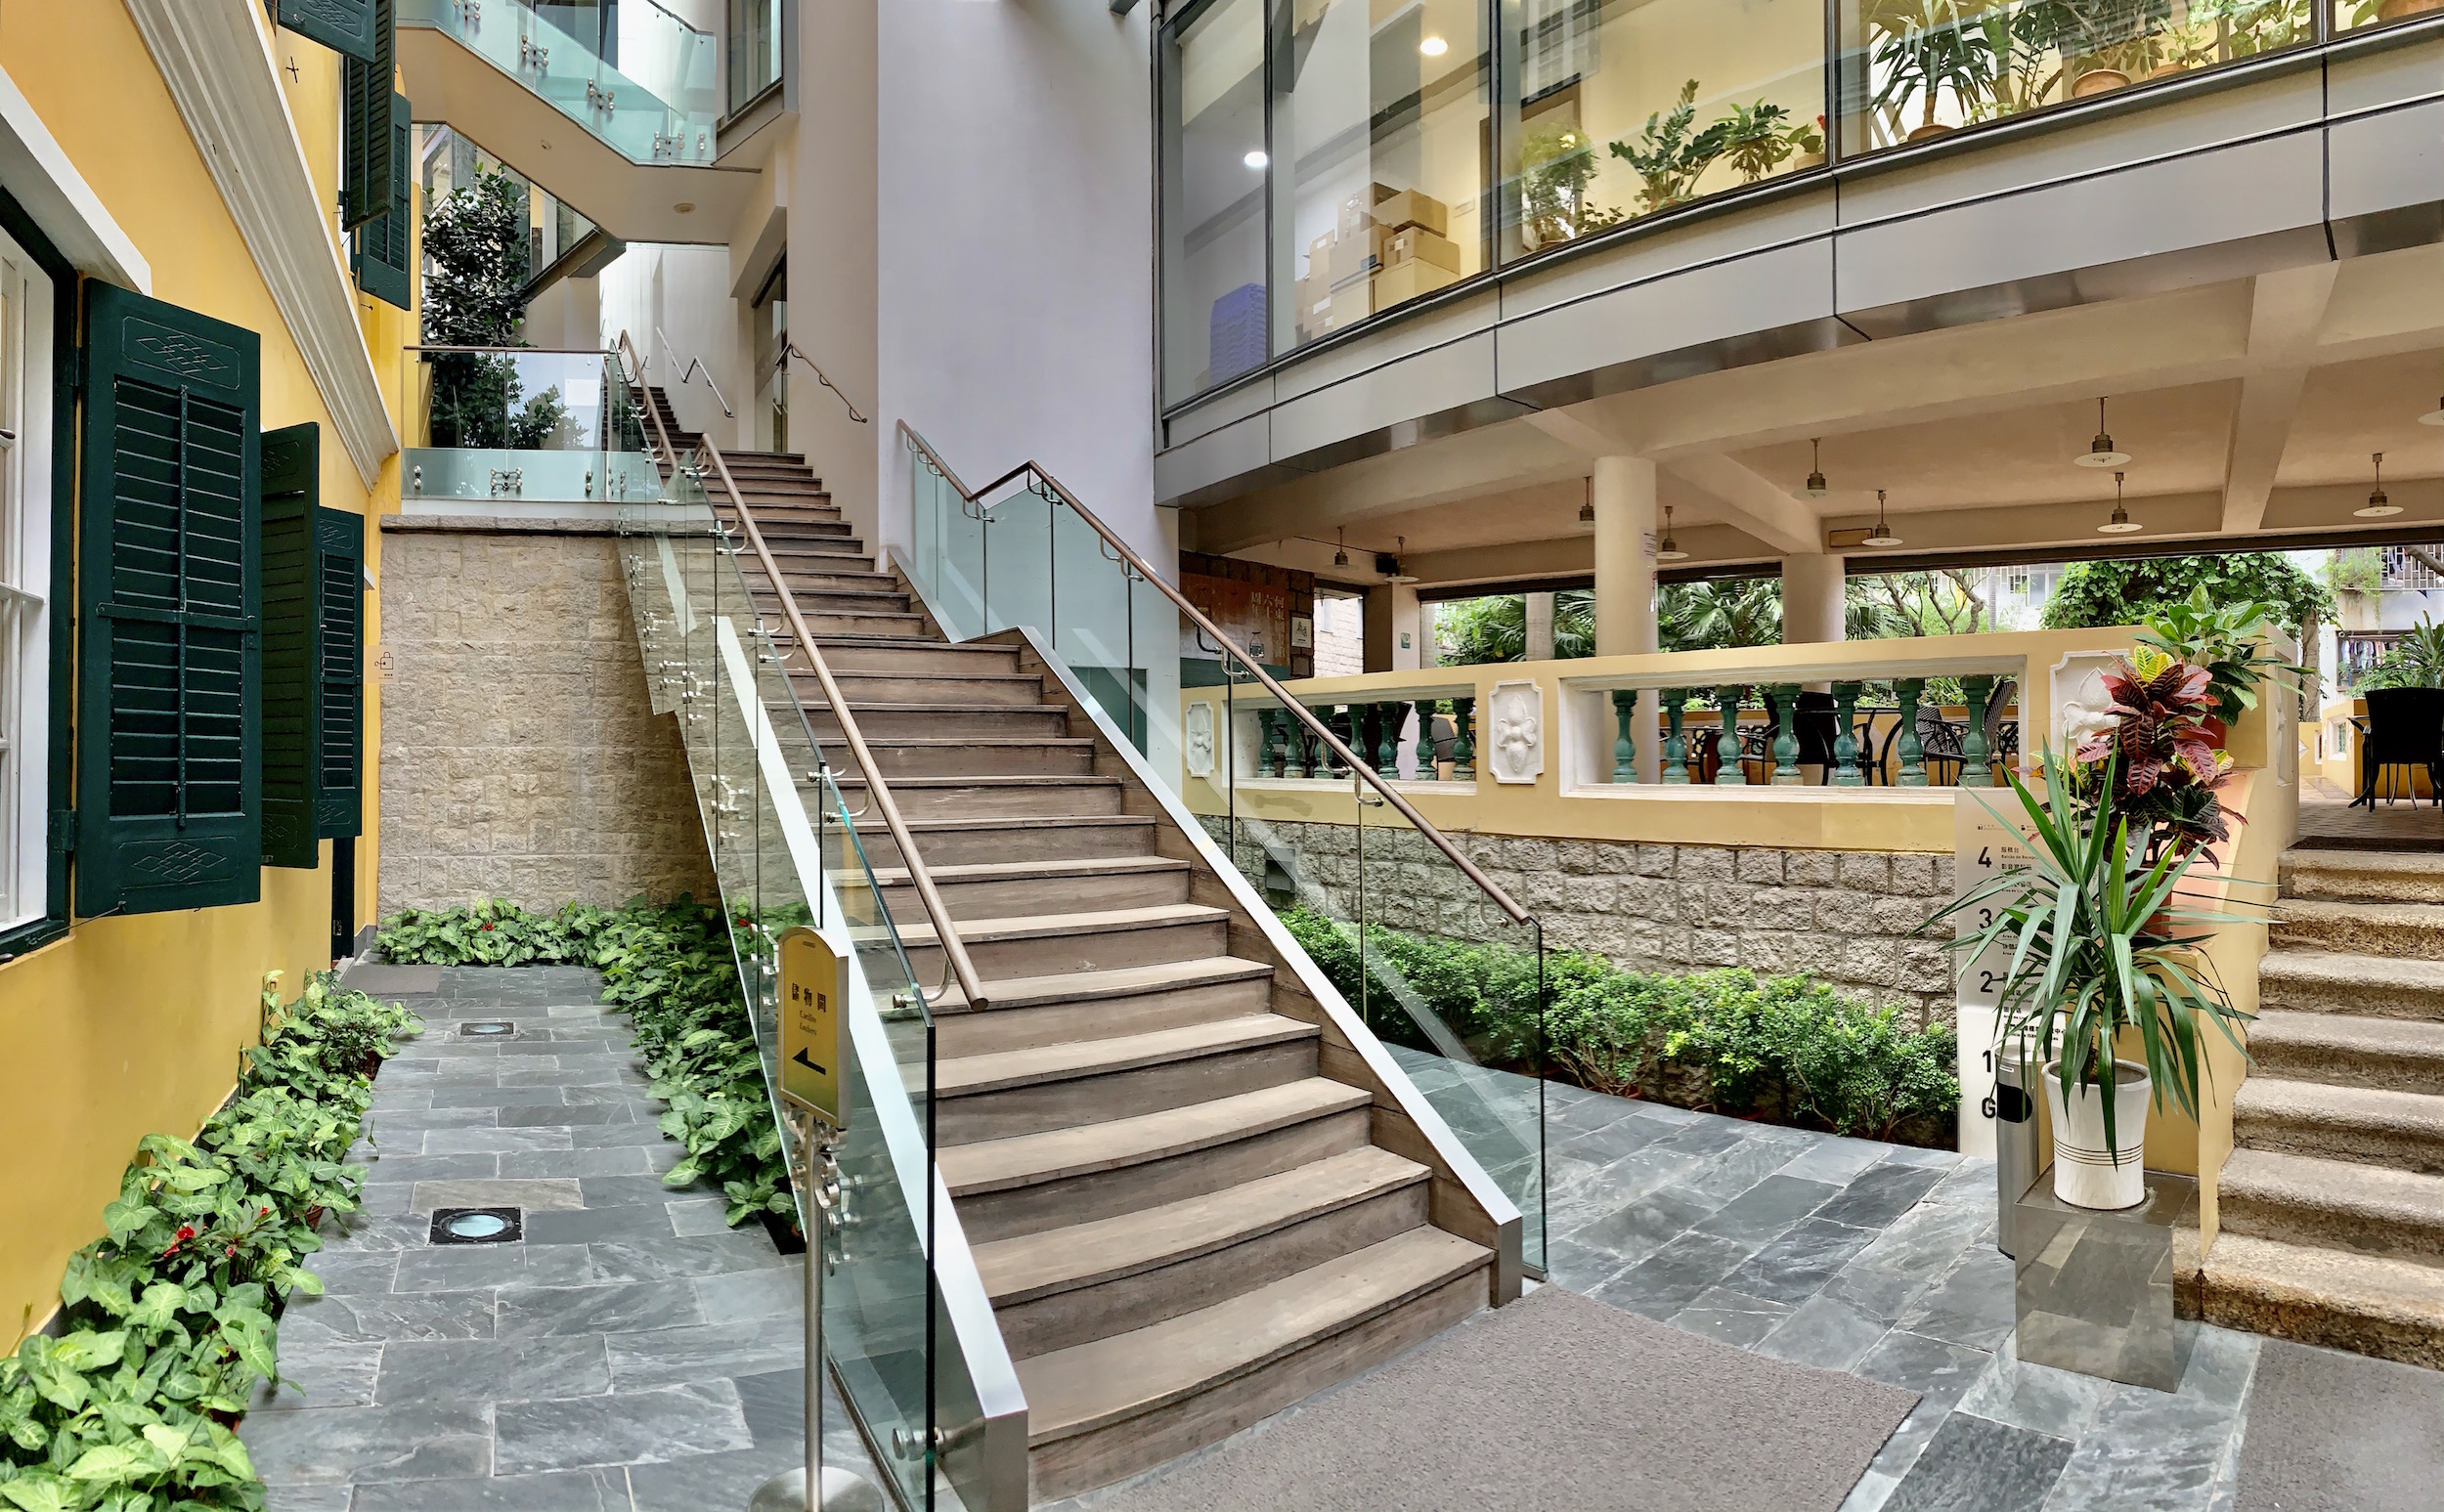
{"points": [[1625, 555], [1812, 599], [1539, 626], [1394, 629]]}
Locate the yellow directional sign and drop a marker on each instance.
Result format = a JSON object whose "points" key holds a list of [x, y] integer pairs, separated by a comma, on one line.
{"points": [[815, 1025]]}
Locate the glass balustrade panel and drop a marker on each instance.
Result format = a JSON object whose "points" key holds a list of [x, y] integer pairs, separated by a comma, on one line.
{"points": [[1019, 586], [1092, 626], [754, 50], [568, 72]]}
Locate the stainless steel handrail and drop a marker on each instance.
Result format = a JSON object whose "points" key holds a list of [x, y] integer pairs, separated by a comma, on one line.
{"points": [[695, 365], [1126, 554], [789, 349], [878, 792]]}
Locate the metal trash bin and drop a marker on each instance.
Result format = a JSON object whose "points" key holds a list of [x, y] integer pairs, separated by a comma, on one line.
{"points": [[2015, 1074]]}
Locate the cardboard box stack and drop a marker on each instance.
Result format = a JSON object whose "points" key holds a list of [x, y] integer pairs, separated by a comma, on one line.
{"points": [[1386, 246], [1419, 255]]}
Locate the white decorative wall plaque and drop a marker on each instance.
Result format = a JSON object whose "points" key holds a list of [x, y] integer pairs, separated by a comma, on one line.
{"points": [[2081, 705], [1199, 739], [1513, 734]]}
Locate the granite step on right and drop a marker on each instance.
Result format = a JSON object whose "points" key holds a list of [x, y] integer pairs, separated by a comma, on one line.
{"points": [[2339, 981], [2332, 1205], [2368, 1304], [2405, 931], [2373, 1126], [2350, 1049]]}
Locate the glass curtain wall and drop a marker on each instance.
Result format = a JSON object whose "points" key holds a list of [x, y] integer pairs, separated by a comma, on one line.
{"points": [[1327, 160]]}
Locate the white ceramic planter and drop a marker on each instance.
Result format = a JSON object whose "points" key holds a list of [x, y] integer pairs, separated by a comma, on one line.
{"points": [[2086, 1172]]}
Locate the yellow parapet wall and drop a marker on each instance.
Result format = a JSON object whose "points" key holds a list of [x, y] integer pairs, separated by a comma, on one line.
{"points": [[133, 1026]]}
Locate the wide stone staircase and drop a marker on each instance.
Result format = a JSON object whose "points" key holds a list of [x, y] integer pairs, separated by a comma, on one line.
{"points": [[2332, 1202], [1183, 1224]]}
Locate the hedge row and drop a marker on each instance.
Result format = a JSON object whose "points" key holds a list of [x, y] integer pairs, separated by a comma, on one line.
{"points": [[1789, 1048]]}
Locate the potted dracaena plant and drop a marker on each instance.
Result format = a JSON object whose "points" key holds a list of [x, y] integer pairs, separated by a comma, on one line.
{"points": [[2103, 945]]}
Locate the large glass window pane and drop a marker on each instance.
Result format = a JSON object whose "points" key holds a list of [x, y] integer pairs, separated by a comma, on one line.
{"points": [[1912, 69], [1379, 120], [2351, 14], [1214, 179], [1617, 108]]}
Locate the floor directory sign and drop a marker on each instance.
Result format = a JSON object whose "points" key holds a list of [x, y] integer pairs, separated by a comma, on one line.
{"points": [[1990, 837], [815, 1025]]}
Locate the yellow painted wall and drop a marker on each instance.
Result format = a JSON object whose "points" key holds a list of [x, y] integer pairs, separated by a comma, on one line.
{"points": [[133, 1026]]}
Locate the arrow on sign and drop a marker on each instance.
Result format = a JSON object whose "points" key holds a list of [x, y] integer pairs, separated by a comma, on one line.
{"points": [[801, 1059]]}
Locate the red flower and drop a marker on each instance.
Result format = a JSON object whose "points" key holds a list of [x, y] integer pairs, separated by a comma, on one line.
{"points": [[488, 929], [265, 1213], [186, 1232], [232, 1250]]}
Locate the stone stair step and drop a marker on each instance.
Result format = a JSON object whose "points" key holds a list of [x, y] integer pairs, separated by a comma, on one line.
{"points": [[1098, 1411], [913, 656], [1011, 757], [997, 888], [951, 842], [1043, 944], [2333, 981], [1061, 1177], [880, 722], [2332, 1205], [2368, 1304], [967, 797], [2374, 1127], [1073, 1285], [1070, 1082], [2373, 876], [1082, 1004], [2346, 1050], [2405, 931], [979, 687]]}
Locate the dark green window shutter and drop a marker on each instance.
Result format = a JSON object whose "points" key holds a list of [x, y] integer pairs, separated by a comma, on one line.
{"points": [[169, 764], [339, 774], [385, 248], [292, 650], [365, 113], [343, 26]]}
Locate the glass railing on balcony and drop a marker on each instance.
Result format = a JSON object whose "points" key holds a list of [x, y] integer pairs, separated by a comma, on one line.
{"points": [[522, 424], [1022, 552], [754, 50], [907, 1332], [635, 76]]}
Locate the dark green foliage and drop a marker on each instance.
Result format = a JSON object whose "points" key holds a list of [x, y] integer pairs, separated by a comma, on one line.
{"points": [[169, 1321], [673, 970], [2094, 595], [475, 257], [1725, 1040]]}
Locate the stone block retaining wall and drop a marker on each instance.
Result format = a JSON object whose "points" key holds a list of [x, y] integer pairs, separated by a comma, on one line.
{"points": [[1842, 917]]}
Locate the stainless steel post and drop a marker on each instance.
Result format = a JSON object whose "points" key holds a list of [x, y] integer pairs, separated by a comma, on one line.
{"points": [[834, 1490], [2016, 1075]]}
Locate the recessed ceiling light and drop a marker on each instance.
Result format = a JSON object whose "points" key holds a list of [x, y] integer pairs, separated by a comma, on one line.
{"points": [[1433, 47], [1882, 534], [2378, 505], [1668, 550], [2121, 524], [1257, 159], [684, 206], [1815, 486], [2100, 452]]}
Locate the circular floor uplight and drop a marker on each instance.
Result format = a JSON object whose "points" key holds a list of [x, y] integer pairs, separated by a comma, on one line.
{"points": [[486, 1029], [477, 1226]]}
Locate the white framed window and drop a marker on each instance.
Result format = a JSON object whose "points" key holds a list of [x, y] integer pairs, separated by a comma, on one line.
{"points": [[25, 547]]}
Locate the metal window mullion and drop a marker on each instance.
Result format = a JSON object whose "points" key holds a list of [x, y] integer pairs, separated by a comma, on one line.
{"points": [[185, 577]]}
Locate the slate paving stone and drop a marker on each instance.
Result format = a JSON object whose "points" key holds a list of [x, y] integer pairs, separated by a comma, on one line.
{"points": [[704, 1215], [530, 1194], [359, 1320], [672, 1422], [598, 1134], [1729, 1316], [672, 1257], [562, 1117], [295, 1497], [610, 1161], [493, 1369], [1824, 1332], [622, 1308], [451, 1141], [637, 1191], [1765, 1210], [1796, 1266], [324, 1374], [568, 1490], [1737, 1170], [1937, 1372], [345, 1274], [577, 1226], [495, 1097], [2148, 1451], [770, 1295], [1970, 1303], [1837, 1160], [432, 1167], [670, 1357], [1644, 1226], [1877, 1195], [2039, 1397], [458, 1267], [1673, 1277], [424, 1441], [1579, 1265], [1973, 1465], [705, 1482]]}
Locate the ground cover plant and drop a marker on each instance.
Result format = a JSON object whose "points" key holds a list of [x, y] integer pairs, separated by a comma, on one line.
{"points": [[170, 1319], [1786, 1048], [670, 968]]}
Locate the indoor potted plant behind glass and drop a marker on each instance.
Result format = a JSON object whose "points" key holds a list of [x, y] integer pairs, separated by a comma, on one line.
{"points": [[2099, 945]]}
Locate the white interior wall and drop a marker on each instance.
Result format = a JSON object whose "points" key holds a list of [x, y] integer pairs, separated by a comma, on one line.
{"points": [[682, 292]]}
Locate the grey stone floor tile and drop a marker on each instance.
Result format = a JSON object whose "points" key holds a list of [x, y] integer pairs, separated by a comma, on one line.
{"points": [[319, 1373], [776, 1407], [367, 1233], [432, 1167], [493, 1369], [705, 1482], [698, 1215], [401, 1099], [639, 1191], [461, 1267], [1909, 1442], [1710, 1137], [610, 1161], [1731, 1317], [531, 1194], [495, 1097], [1737, 1170], [1764, 1211], [2039, 1397], [1904, 1260], [1644, 1225], [598, 1135], [672, 1257], [1796, 1266], [351, 1273], [562, 1117], [451, 1141], [1823, 1332], [1912, 1154], [567, 1491], [295, 1497], [1673, 1277], [1973, 1465], [383, 1123], [2147, 1451], [557, 1076], [746, 1295], [672, 1422], [1835, 1159], [1938, 1371], [426, 1441], [1971, 1181], [579, 1226], [356, 1319], [1971, 1304], [387, 1199], [2221, 1361], [1874, 1489], [1880, 1193], [623, 1308], [670, 1357]]}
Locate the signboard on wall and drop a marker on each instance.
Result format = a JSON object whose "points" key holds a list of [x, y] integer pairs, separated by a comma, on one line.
{"points": [[1268, 610], [815, 1025], [1990, 837]]}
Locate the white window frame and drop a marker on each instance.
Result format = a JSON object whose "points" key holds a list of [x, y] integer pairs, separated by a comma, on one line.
{"points": [[26, 338]]}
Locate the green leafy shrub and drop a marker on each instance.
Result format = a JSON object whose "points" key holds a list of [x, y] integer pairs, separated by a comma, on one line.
{"points": [[673, 970], [1787, 1047], [169, 1319]]}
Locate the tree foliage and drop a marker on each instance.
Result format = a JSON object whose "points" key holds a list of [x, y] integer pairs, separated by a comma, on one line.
{"points": [[475, 295], [2094, 595]]}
